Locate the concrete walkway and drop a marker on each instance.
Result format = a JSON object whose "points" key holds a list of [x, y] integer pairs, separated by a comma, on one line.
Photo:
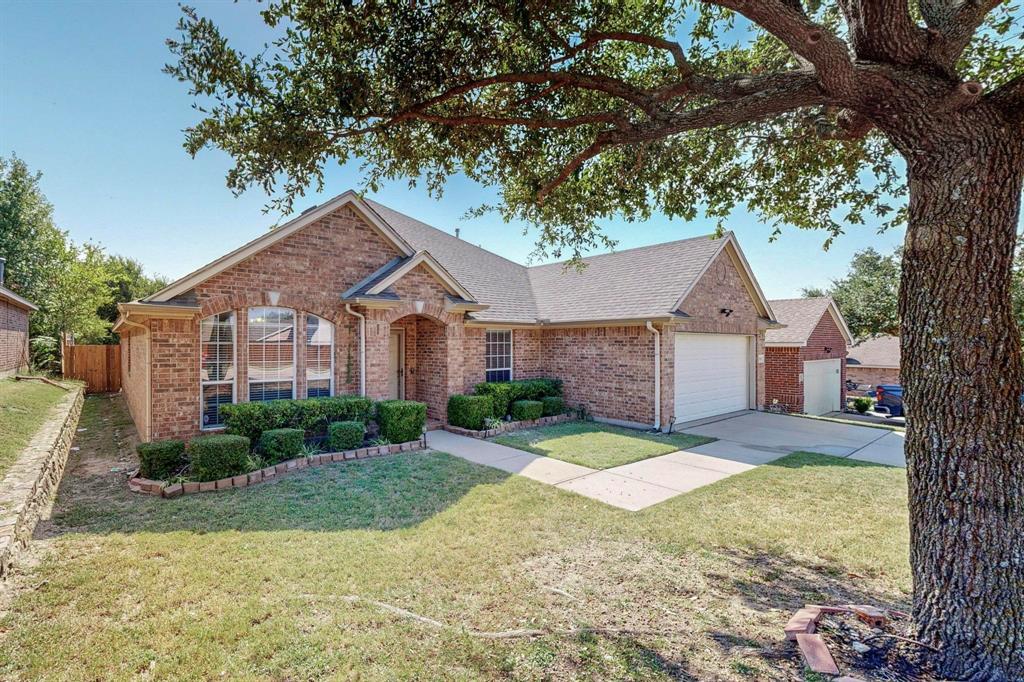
{"points": [[631, 486]]}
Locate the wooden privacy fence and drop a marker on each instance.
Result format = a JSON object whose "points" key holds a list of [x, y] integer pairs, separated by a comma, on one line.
{"points": [[98, 366]]}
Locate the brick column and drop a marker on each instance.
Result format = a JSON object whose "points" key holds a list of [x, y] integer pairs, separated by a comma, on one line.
{"points": [[241, 355], [300, 354], [455, 361], [378, 339]]}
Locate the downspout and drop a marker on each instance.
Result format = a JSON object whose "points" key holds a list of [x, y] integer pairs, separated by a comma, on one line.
{"points": [[362, 348], [657, 375]]}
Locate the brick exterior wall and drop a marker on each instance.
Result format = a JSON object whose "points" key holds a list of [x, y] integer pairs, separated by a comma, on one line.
{"points": [[135, 377], [785, 365], [608, 370], [872, 375], [13, 339]]}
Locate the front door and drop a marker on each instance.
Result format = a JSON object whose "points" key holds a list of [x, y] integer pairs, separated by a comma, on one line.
{"points": [[395, 369]]}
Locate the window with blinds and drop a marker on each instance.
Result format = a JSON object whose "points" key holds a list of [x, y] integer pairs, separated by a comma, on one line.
{"points": [[217, 366], [319, 357], [498, 354], [271, 354]]}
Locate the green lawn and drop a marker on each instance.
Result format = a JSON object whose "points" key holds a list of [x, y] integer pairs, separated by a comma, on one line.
{"points": [[286, 580], [597, 445], [24, 407]]}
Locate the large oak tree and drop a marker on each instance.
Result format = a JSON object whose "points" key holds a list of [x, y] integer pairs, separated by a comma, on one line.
{"points": [[812, 114]]}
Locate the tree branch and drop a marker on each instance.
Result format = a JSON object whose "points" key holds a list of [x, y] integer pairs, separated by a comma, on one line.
{"points": [[825, 51], [882, 30], [795, 92], [1009, 97], [593, 39], [954, 23]]}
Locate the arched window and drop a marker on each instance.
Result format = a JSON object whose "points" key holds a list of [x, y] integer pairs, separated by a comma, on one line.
{"points": [[319, 357], [271, 353], [217, 366]]}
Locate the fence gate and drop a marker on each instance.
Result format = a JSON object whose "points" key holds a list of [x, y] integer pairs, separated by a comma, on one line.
{"points": [[99, 366]]}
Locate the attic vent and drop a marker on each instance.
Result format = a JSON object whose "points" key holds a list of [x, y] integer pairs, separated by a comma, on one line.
{"points": [[311, 208]]}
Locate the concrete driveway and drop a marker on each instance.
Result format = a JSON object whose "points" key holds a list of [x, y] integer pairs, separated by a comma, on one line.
{"points": [[744, 442], [759, 437]]}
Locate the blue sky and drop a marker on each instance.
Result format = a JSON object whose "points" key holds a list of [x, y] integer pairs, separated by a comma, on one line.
{"points": [[83, 99]]}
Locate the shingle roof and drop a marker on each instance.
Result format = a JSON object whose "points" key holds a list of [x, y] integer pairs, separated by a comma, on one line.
{"points": [[498, 282], [635, 283], [800, 315], [630, 284], [881, 351]]}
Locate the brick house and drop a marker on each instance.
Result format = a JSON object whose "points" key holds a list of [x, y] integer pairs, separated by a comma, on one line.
{"points": [[874, 361], [805, 364], [14, 312], [353, 297]]}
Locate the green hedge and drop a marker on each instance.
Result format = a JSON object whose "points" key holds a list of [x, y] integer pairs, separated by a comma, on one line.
{"points": [[523, 410], [504, 393], [161, 460], [401, 420], [311, 415], [469, 411], [345, 435], [219, 456], [553, 405], [277, 445]]}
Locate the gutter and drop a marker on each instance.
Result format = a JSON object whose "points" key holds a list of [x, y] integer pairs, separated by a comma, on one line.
{"points": [[362, 348], [657, 375]]}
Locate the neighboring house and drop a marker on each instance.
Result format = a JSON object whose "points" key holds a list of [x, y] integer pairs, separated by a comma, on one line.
{"points": [[874, 361], [353, 297], [14, 311], [804, 365]]}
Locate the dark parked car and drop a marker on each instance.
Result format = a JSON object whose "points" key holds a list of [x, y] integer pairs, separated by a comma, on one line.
{"points": [[890, 397]]}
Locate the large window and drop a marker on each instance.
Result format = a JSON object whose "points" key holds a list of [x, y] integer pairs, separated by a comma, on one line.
{"points": [[498, 355], [271, 353], [319, 357], [217, 366]]}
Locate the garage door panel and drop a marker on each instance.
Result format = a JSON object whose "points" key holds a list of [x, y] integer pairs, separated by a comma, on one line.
{"points": [[712, 374], [822, 389]]}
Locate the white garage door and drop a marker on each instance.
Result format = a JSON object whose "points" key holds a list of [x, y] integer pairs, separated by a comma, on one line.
{"points": [[712, 375], [821, 386]]}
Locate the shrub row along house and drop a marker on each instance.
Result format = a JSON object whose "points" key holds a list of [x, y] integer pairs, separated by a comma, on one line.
{"points": [[352, 297], [14, 312]]}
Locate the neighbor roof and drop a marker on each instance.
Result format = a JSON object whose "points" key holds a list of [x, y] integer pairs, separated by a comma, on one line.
{"points": [[8, 295], [801, 316], [880, 351], [642, 283]]}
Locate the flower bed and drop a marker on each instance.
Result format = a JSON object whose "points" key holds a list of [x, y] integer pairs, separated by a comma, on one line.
{"points": [[168, 490], [510, 426]]}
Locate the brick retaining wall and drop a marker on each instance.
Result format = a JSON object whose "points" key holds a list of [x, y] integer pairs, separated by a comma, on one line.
{"points": [[29, 485]]}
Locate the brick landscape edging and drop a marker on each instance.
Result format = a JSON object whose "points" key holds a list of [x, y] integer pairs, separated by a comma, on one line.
{"points": [[29, 485], [510, 426], [271, 473]]}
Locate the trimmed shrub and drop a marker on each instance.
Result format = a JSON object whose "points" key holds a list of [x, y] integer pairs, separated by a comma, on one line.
{"points": [[218, 456], [345, 435], [862, 405], [277, 445], [248, 419], [523, 410], [161, 459], [469, 411], [311, 415], [504, 393], [553, 405], [401, 420]]}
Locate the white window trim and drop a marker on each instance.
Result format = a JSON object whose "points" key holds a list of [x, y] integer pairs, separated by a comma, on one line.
{"points": [[334, 331], [511, 354], [234, 380], [295, 345]]}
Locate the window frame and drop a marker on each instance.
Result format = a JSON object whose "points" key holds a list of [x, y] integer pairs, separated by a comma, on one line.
{"points": [[220, 382], [248, 343], [330, 352], [511, 355]]}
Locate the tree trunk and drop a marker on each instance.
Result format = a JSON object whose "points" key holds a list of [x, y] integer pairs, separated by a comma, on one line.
{"points": [[963, 377]]}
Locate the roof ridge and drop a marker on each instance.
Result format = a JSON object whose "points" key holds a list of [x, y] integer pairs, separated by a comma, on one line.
{"points": [[710, 235], [373, 204], [801, 298]]}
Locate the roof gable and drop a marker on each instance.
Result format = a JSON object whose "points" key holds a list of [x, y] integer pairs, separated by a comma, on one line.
{"points": [[307, 217], [801, 317]]}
